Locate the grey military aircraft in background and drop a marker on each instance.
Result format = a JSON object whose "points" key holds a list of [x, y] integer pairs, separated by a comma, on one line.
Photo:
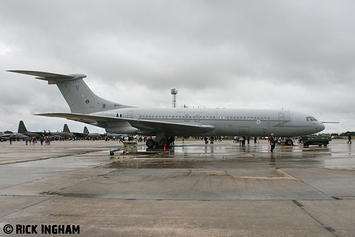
{"points": [[64, 134], [87, 134], [23, 130], [87, 107], [4, 136]]}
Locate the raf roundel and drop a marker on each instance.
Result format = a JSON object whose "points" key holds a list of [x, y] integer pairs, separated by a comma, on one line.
{"points": [[258, 121], [87, 101]]}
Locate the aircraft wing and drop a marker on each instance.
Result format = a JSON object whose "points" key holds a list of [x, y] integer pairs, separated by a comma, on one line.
{"points": [[173, 128]]}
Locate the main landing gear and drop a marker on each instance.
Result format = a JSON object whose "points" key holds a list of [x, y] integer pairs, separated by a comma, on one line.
{"points": [[163, 142], [150, 143]]}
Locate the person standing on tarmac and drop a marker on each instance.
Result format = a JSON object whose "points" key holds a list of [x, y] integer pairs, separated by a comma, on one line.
{"points": [[272, 142]]}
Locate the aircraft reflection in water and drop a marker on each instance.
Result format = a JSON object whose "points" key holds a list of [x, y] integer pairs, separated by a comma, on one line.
{"points": [[163, 123]]}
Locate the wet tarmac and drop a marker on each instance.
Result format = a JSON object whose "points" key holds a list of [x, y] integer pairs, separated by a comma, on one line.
{"points": [[192, 190]]}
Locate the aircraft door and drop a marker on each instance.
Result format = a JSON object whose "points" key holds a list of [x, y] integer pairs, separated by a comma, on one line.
{"points": [[130, 114], [281, 119]]}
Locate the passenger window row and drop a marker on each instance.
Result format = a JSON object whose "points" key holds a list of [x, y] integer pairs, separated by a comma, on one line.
{"points": [[203, 117]]}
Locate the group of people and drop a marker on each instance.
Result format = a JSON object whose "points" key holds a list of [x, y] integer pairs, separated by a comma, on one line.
{"points": [[33, 140], [131, 138], [272, 140], [211, 139]]}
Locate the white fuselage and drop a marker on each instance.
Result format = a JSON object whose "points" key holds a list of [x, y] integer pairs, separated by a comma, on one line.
{"points": [[227, 122]]}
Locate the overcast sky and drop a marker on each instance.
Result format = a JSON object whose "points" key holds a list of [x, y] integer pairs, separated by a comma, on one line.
{"points": [[296, 55]]}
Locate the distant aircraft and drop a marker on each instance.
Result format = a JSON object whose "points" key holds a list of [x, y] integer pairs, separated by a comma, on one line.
{"points": [[87, 107], [92, 135], [4, 136], [23, 130], [64, 134]]}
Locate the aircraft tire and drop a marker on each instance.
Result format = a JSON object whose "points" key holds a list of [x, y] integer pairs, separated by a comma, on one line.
{"points": [[150, 143], [160, 144]]}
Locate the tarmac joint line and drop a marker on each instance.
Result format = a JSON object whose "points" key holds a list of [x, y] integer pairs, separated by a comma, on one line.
{"points": [[328, 228]]}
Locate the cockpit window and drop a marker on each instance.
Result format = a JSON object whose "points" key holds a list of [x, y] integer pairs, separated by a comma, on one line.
{"points": [[310, 118]]}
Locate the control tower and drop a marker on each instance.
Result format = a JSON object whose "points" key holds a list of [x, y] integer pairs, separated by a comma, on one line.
{"points": [[174, 93]]}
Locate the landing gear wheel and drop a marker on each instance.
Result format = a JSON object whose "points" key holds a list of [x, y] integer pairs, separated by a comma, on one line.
{"points": [[161, 144], [150, 143], [289, 142]]}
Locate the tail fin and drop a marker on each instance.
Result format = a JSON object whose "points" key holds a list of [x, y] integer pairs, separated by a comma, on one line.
{"points": [[76, 92], [66, 128], [86, 130], [21, 127]]}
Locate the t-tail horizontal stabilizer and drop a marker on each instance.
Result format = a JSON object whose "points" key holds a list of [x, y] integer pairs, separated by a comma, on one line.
{"points": [[76, 92], [52, 78]]}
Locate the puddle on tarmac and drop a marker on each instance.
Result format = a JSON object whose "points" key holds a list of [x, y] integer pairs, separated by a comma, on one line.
{"points": [[77, 195], [231, 157]]}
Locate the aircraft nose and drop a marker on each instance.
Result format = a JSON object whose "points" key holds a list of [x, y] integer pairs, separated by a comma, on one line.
{"points": [[321, 127]]}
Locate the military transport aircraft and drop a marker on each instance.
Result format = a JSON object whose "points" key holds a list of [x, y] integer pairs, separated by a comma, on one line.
{"points": [[23, 130], [87, 107], [91, 135], [4, 136], [66, 133]]}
